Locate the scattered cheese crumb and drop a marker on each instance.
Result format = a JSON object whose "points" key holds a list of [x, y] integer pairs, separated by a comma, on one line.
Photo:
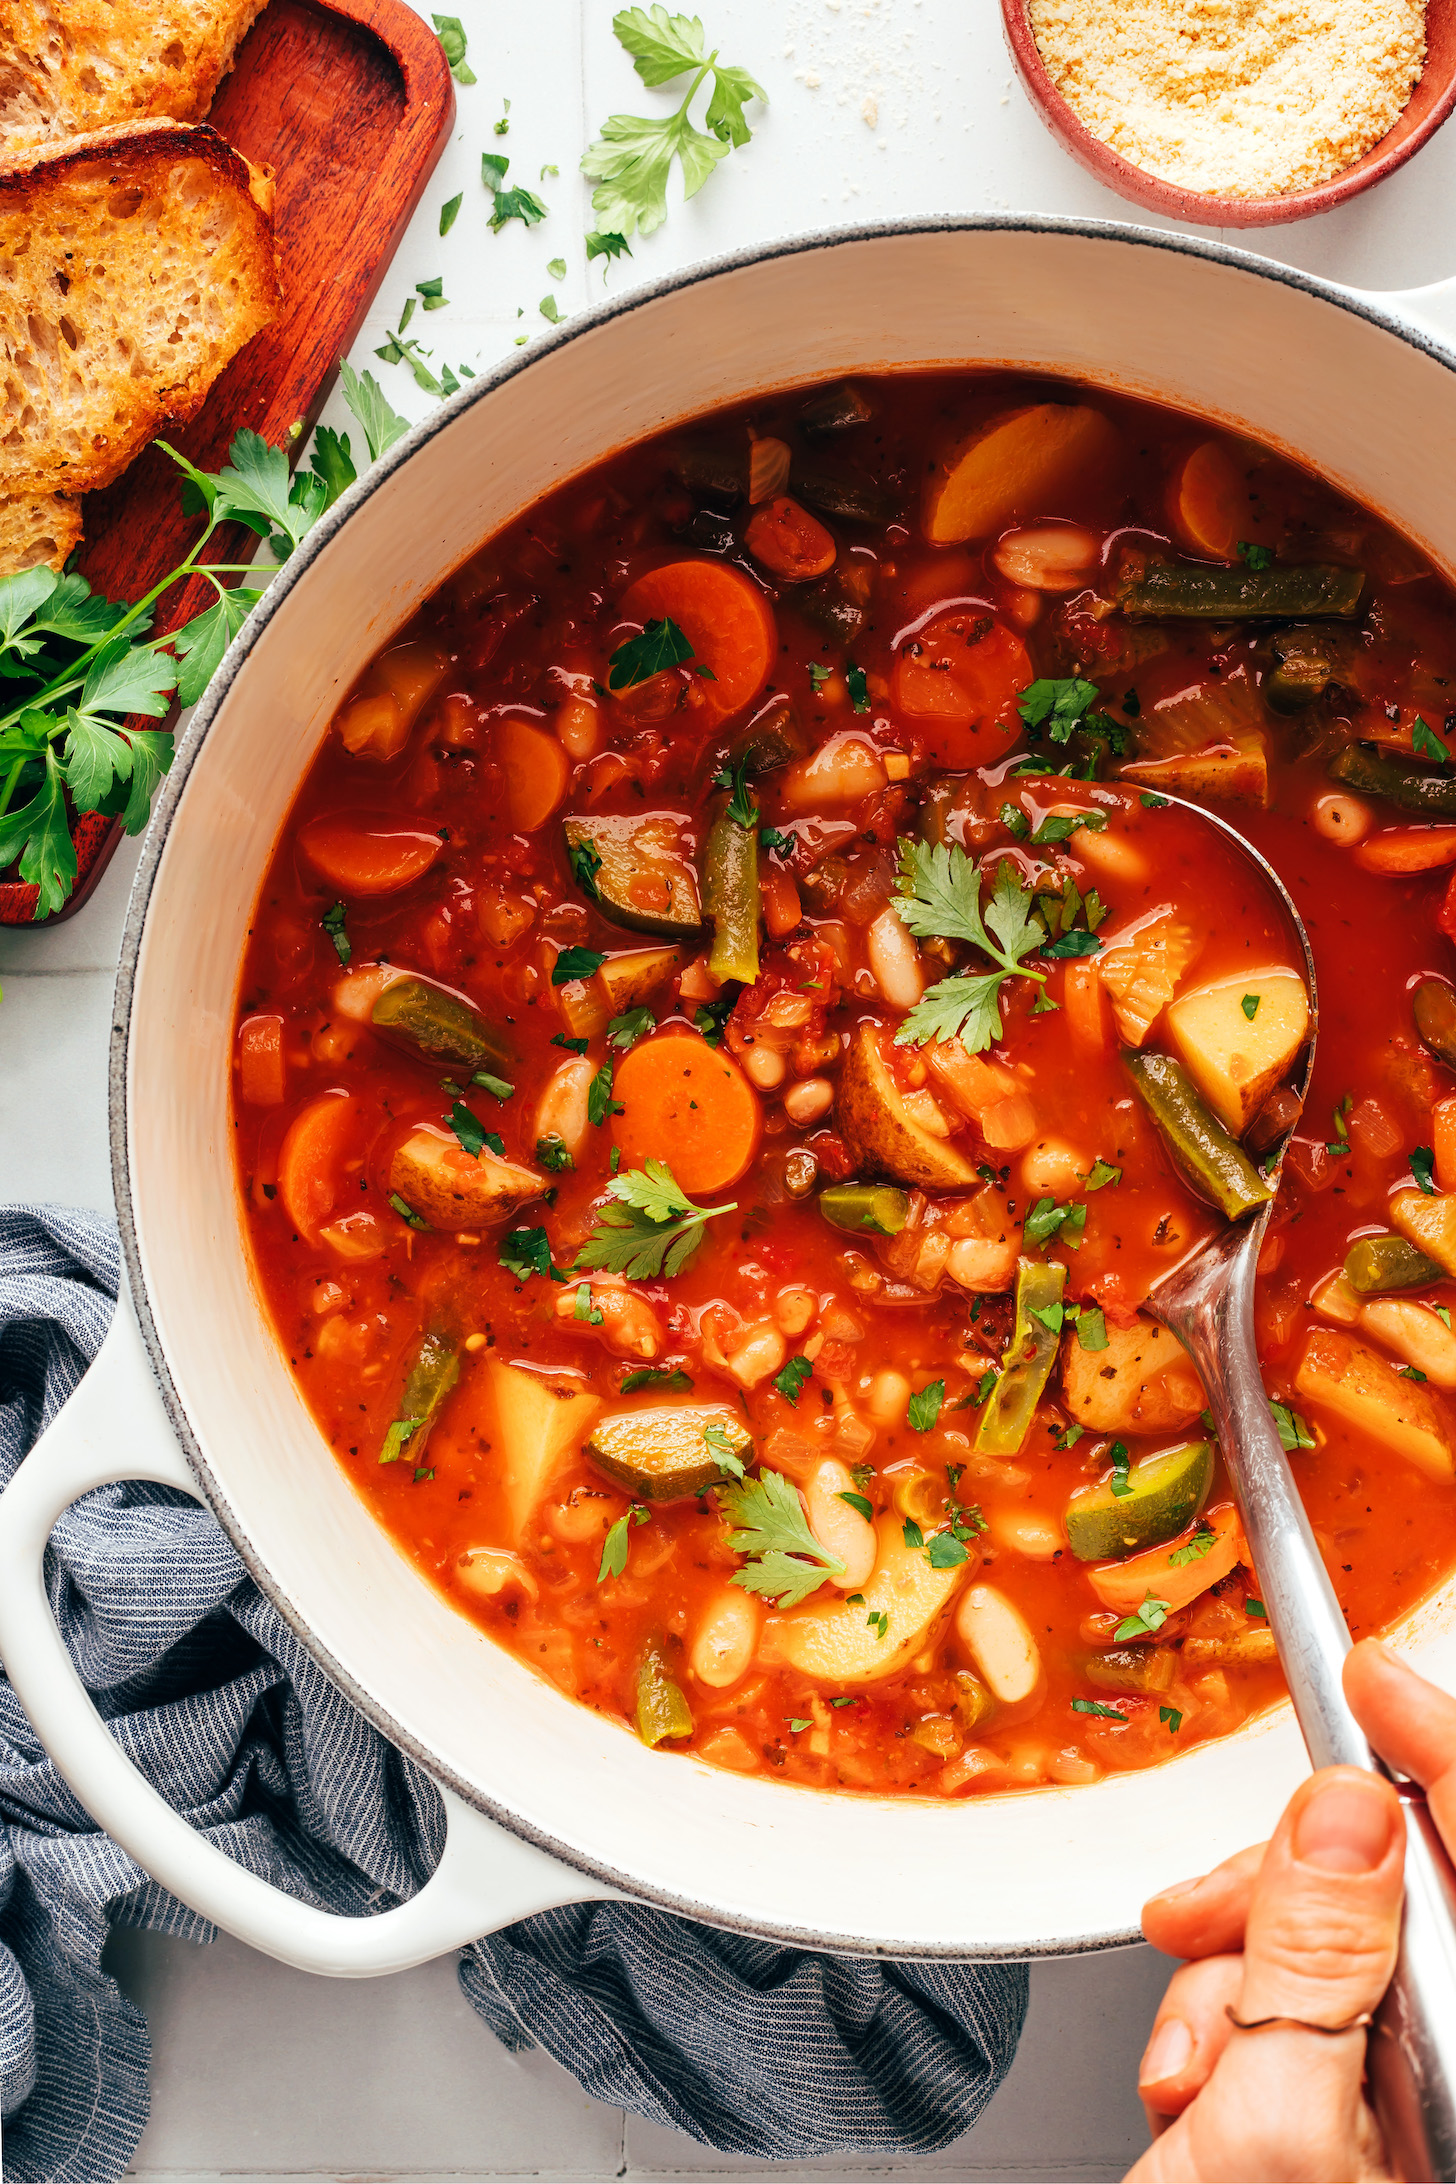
{"points": [[1238, 98], [870, 112]]}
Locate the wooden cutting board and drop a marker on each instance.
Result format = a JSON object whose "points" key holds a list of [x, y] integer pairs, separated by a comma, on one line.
{"points": [[349, 101]]}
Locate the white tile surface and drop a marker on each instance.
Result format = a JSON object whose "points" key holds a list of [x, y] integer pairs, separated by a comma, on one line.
{"points": [[878, 108]]}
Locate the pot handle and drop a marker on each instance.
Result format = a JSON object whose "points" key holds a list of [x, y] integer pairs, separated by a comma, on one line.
{"points": [[114, 1427], [1433, 308]]}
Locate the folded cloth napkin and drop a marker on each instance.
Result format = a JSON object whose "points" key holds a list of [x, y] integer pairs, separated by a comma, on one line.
{"points": [[751, 2048]]}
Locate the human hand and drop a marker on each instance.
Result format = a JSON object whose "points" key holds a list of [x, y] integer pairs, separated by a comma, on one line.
{"points": [[1304, 1926]]}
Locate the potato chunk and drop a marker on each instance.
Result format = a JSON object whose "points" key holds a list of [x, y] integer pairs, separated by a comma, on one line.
{"points": [[1238, 1037], [1142, 972], [540, 1419], [840, 1641], [1143, 1382], [1019, 463], [1236, 773], [879, 1128], [1428, 1220], [1338, 1374], [438, 1180]]}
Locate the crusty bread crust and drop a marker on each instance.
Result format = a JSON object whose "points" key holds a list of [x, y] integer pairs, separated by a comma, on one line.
{"points": [[36, 529], [133, 265], [71, 66]]}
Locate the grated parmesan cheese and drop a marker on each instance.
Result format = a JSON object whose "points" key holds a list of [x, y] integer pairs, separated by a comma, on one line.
{"points": [[1239, 98]]}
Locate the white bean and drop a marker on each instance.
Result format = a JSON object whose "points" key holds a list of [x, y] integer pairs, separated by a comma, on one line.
{"points": [[723, 1642], [355, 994], [838, 1527], [984, 1263], [1341, 818], [1052, 1167], [1107, 856], [1037, 1538], [794, 1308], [1049, 557], [760, 1351], [562, 1110], [579, 726], [841, 771], [809, 1101], [894, 960], [888, 1398], [1001, 1648], [765, 1067], [489, 1571]]}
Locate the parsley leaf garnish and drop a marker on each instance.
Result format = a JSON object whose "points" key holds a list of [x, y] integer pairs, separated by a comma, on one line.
{"points": [[1256, 1608], [469, 1130], [924, 1406], [940, 898], [625, 1031], [1422, 1167], [590, 1314], [661, 645], [407, 1212], [1091, 1335], [332, 922], [1426, 743], [741, 808], [1172, 1717], [599, 1101], [552, 1154], [657, 1376], [1151, 1617], [1056, 705], [786, 1561], [648, 1227], [573, 963], [1047, 1220], [709, 1018], [1255, 557], [858, 1502], [451, 33], [857, 683], [719, 1446], [527, 1251], [585, 865], [1250, 1005], [631, 160], [1102, 1175], [1095, 1706], [791, 1380], [1195, 1550], [513, 204], [1292, 1428], [614, 1547], [771, 839]]}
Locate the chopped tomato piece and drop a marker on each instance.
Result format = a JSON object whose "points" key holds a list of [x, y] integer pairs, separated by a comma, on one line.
{"points": [[789, 542], [958, 678], [262, 1071]]}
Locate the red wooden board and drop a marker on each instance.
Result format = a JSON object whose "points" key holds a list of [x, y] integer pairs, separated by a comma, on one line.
{"points": [[349, 102]]}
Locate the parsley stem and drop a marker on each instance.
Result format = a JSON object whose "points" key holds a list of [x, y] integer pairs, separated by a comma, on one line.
{"points": [[11, 779]]}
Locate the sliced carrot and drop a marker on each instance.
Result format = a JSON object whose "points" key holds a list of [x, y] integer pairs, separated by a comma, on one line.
{"points": [[537, 772], [1407, 849], [1123, 1586], [310, 1161], [789, 542], [1446, 915], [1208, 501], [1443, 1143], [1018, 464], [262, 1071], [726, 620], [363, 856], [1089, 1018], [958, 678], [690, 1105]]}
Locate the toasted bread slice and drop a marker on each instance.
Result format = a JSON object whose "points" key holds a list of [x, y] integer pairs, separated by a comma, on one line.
{"points": [[70, 66], [37, 528], [133, 265]]}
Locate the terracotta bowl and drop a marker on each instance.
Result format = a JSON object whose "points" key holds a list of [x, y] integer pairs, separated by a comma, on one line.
{"points": [[1429, 104]]}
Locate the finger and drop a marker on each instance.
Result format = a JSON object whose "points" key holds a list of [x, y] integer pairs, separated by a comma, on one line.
{"points": [[1325, 1911], [1205, 1917], [1190, 2032], [1410, 1722]]}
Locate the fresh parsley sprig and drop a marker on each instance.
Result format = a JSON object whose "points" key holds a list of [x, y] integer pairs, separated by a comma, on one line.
{"points": [[661, 645], [940, 898], [632, 158], [786, 1562], [648, 1227]]}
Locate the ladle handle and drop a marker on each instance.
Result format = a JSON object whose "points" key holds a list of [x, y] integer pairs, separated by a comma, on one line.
{"points": [[1412, 2049]]}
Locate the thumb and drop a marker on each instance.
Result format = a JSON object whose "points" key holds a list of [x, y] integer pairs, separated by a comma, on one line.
{"points": [[1324, 1918]]}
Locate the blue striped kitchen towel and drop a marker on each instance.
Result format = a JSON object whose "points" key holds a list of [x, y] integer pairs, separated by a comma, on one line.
{"points": [[753, 2049]]}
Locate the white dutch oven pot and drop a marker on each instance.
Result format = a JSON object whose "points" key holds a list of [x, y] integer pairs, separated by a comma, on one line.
{"points": [[547, 1802]]}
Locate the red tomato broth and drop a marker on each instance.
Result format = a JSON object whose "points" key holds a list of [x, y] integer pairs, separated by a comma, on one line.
{"points": [[543, 603]]}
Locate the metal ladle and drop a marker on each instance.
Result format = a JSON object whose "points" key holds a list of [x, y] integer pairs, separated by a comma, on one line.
{"points": [[1208, 1303]]}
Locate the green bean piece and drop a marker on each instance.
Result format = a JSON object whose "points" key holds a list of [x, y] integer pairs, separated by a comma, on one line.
{"points": [[433, 1372], [1376, 1265], [1304, 666], [1193, 592], [715, 468], [1411, 788], [829, 608], [1031, 1353], [1214, 1163], [836, 409], [731, 897], [1434, 1007], [973, 1701], [662, 1711], [876, 1209], [439, 1027], [1152, 1502]]}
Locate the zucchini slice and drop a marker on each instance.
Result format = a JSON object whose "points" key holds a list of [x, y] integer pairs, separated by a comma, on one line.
{"points": [[662, 1453], [644, 878], [1160, 1497]]}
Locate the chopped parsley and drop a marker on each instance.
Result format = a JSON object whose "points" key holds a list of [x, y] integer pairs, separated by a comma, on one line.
{"points": [[741, 807], [585, 865], [614, 1547], [552, 1154], [573, 963], [572, 1046], [1293, 1430], [1250, 1005], [859, 689], [857, 1502], [332, 922], [1257, 1609], [1120, 1483], [624, 1031], [1095, 1706], [1254, 557], [771, 839], [1427, 744], [656, 1376], [407, 1212], [648, 1226], [1047, 1220], [1195, 1549], [715, 1438], [599, 1101], [527, 1251], [1422, 1167], [660, 646], [451, 33], [470, 1132], [1151, 1617], [590, 1315], [790, 1381], [925, 1405], [512, 204], [1102, 1176], [709, 1018], [1172, 1717], [400, 1434]]}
